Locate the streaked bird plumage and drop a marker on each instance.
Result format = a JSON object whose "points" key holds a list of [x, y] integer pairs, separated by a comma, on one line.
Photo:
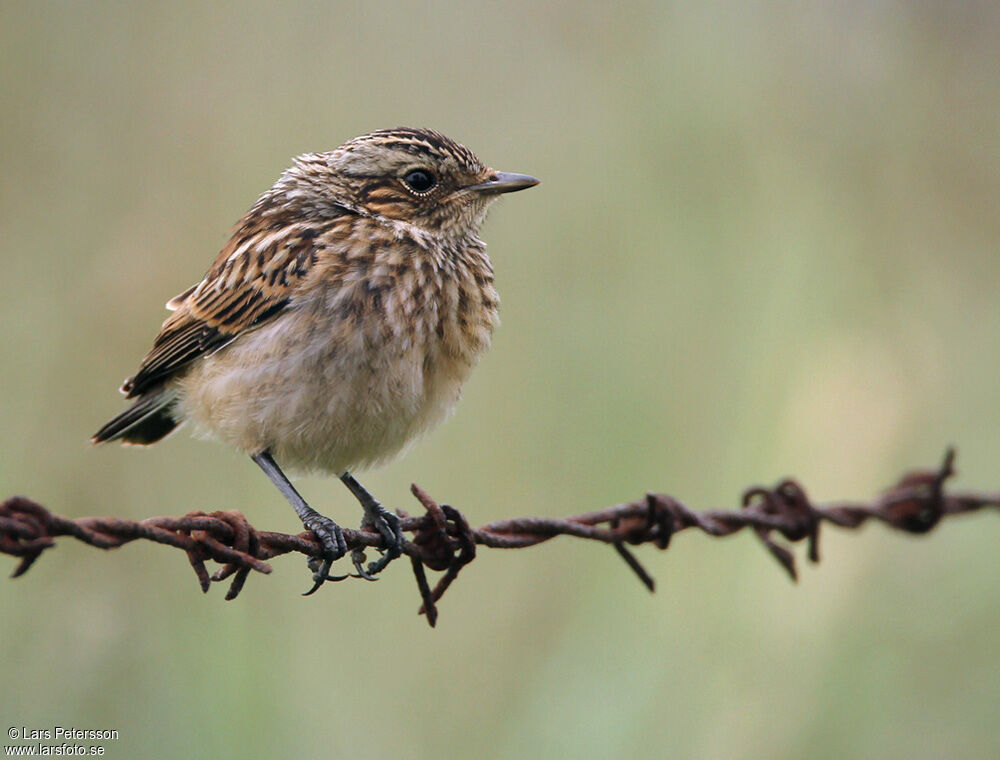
{"points": [[341, 318]]}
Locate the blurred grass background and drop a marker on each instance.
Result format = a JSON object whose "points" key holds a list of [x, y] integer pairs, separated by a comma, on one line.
{"points": [[766, 243]]}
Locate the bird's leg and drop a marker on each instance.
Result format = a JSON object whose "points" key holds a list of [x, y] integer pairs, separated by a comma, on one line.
{"points": [[326, 530], [384, 521]]}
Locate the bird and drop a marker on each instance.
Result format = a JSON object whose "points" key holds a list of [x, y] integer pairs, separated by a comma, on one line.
{"points": [[336, 325]]}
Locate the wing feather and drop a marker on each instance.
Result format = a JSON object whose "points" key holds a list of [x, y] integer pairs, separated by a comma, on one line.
{"points": [[175, 303], [254, 278]]}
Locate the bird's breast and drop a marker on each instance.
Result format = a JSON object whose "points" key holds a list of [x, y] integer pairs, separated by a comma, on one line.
{"points": [[356, 368], [439, 299]]}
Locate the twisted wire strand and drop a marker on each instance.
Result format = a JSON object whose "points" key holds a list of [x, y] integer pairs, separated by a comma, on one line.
{"points": [[442, 540]]}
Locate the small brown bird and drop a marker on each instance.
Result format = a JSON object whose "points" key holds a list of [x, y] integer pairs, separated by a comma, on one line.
{"points": [[337, 324]]}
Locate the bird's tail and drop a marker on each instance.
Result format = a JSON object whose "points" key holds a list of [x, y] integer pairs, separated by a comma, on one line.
{"points": [[146, 421]]}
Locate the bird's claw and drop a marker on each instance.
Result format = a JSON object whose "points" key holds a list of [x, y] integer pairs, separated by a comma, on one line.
{"points": [[331, 537], [358, 558], [388, 525]]}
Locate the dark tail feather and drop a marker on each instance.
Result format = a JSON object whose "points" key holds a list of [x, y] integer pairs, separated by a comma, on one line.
{"points": [[146, 421]]}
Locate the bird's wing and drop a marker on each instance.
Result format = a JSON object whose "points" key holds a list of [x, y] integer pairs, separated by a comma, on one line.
{"points": [[252, 280]]}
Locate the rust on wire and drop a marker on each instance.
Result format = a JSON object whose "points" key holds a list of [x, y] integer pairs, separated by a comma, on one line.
{"points": [[442, 540]]}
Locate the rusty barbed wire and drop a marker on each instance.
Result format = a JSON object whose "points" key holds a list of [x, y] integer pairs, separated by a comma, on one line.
{"points": [[443, 541]]}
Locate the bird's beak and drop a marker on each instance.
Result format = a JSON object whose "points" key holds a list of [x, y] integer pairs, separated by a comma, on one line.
{"points": [[503, 182]]}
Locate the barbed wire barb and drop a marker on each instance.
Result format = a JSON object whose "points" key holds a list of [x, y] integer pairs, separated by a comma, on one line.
{"points": [[441, 540]]}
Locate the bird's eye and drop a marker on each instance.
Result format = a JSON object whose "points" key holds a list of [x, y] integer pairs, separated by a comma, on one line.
{"points": [[419, 180]]}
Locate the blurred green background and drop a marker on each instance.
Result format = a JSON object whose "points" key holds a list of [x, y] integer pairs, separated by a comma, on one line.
{"points": [[766, 244]]}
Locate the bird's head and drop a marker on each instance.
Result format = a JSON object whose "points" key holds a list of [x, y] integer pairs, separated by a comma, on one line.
{"points": [[410, 175]]}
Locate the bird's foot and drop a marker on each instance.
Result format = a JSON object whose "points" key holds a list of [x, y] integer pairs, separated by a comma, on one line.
{"points": [[388, 526], [334, 547]]}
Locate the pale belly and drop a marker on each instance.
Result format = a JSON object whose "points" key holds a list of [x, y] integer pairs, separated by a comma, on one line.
{"points": [[319, 397]]}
